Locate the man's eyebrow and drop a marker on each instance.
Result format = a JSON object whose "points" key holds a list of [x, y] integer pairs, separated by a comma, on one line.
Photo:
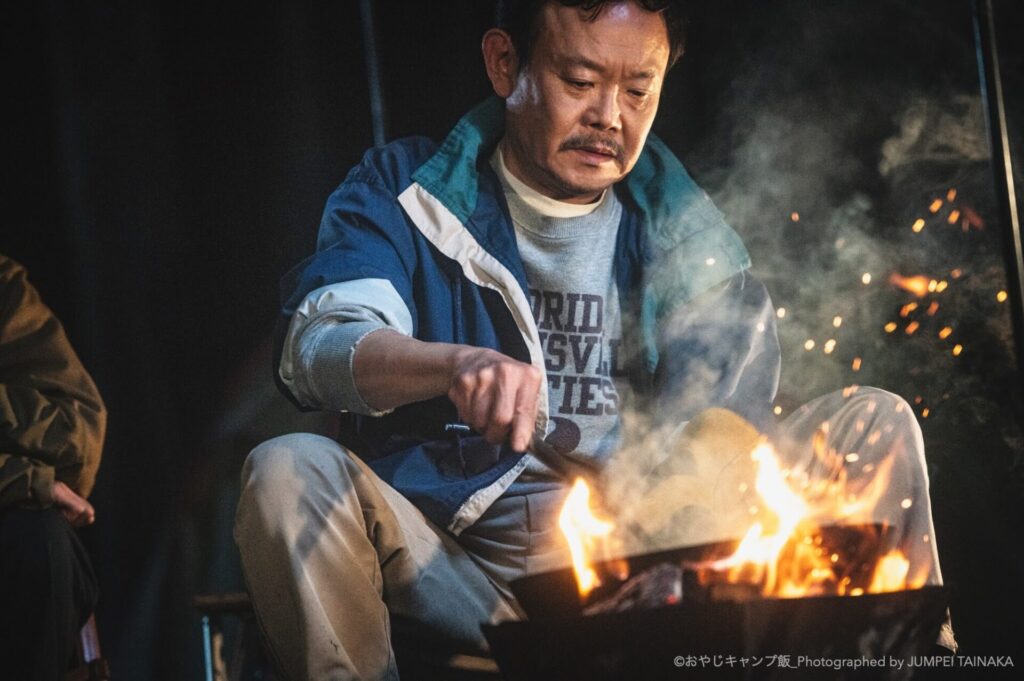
{"points": [[646, 74]]}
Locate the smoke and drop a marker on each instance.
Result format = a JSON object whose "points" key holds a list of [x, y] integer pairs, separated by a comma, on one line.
{"points": [[836, 183], [932, 131]]}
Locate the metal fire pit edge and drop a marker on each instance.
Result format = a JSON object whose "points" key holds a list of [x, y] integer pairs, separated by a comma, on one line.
{"points": [[657, 643]]}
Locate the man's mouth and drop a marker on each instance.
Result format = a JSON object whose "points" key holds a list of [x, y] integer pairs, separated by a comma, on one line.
{"points": [[594, 151], [594, 154], [598, 151]]}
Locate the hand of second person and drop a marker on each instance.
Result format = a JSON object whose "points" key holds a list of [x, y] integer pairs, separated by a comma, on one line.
{"points": [[77, 510], [496, 395]]}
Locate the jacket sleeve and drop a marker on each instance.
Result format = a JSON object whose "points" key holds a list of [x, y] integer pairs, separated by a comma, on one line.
{"points": [[52, 420], [721, 350], [359, 281]]}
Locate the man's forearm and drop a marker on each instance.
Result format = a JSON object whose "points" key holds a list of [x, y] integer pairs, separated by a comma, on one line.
{"points": [[494, 394], [391, 369]]}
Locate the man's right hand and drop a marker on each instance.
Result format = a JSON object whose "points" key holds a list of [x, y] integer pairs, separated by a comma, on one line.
{"points": [[495, 395], [77, 510]]}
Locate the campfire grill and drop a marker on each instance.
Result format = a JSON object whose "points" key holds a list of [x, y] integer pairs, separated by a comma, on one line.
{"points": [[559, 642]]}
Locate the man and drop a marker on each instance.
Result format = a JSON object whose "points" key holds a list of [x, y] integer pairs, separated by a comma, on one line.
{"points": [[52, 423], [482, 312]]}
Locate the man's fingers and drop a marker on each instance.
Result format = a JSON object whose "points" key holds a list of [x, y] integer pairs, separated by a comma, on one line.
{"points": [[503, 404], [498, 398], [525, 418]]}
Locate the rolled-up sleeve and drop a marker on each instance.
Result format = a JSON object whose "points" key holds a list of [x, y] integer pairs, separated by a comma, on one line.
{"points": [[358, 282]]}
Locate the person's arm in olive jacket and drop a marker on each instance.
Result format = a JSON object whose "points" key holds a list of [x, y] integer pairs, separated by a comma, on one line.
{"points": [[52, 420]]}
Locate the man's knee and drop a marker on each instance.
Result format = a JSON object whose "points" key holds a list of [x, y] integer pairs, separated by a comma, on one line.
{"points": [[282, 462], [282, 473]]}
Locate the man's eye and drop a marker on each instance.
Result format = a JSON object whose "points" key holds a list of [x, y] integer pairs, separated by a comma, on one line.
{"points": [[579, 84], [640, 94]]}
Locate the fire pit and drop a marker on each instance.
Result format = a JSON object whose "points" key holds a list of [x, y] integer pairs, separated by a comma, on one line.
{"points": [[723, 629], [818, 586]]}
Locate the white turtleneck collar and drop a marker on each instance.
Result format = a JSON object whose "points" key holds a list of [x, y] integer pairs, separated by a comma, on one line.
{"points": [[544, 205]]}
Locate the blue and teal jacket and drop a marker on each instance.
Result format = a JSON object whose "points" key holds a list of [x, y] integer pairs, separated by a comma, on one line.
{"points": [[421, 234]]}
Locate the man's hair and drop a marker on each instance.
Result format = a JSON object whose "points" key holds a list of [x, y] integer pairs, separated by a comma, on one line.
{"points": [[518, 18]]}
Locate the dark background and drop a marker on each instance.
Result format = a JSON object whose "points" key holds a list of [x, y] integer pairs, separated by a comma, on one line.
{"points": [[168, 162]]}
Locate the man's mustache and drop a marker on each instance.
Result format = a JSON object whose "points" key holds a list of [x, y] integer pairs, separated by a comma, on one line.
{"points": [[594, 143]]}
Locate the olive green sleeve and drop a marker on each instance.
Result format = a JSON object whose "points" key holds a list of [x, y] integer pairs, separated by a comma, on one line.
{"points": [[24, 481], [52, 420]]}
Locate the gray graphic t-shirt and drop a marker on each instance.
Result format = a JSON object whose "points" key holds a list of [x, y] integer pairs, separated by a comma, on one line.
{"points": [[568, 254]]}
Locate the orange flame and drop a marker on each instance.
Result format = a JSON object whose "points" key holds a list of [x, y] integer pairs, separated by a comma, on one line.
{"points": [[785, 553], [892, 574], [791, 560], [582, 530]]}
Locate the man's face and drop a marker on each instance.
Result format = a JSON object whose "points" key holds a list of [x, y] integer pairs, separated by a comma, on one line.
{"points": [[581, 109]]}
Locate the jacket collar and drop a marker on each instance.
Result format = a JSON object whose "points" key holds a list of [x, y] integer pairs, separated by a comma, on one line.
{"points": [[672, 206]]}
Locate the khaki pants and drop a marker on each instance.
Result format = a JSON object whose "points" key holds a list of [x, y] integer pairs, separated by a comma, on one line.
{"points": [[329, 549]]}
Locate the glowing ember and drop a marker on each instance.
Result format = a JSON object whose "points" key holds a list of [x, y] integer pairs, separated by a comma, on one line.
{"points": [[809, 345], [925, 412], [856, 364], [837, 322], [1002, 296], [907, 309], [918, 225], [951, 194], [890, 327], [936, 205], [781, 313], [941, 286], [582, 531], [777, 410], [946, 332], [795, 217], [911, 328], [954, 216], [933, 308], [917, 285], [971, 219], [957, 349], [956, 273], [865, 278]]}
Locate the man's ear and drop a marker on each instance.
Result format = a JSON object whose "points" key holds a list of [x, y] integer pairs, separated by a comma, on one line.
{"points": [[501, 61]]}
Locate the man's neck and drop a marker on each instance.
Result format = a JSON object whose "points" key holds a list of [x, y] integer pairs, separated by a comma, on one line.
{"points": [[543, 204]]}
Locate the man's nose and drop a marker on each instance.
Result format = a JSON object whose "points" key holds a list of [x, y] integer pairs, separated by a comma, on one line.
{"points": [[604, 112]]}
